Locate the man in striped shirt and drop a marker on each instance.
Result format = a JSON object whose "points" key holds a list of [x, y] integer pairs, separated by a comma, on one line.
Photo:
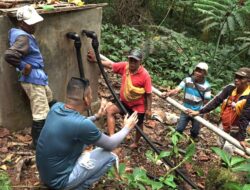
{"points": [[196, 93]]}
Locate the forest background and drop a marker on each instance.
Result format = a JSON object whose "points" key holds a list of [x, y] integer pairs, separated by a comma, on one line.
{"points": [[177, 34]]}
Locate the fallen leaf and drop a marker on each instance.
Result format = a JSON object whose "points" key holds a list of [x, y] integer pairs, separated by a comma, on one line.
{"points": [[36, 183], [8, 158], [4, 132], [18, 159], [151, 124], [3, 167], [23, 138], [4, 150], [203, 157], [11, 144]]}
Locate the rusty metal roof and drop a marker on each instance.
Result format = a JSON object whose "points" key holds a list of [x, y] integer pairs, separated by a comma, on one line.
{"points": [[58, 8]]}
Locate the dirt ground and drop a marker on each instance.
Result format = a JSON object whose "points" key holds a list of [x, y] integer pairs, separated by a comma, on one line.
{"points": [[18, 158]]}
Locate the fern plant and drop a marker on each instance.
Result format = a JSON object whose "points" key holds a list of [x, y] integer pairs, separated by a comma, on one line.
{"points": [[223, 15], [245, 40]]}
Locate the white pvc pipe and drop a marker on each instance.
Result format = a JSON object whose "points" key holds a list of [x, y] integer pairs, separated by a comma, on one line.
{"points": [[209, 125]]}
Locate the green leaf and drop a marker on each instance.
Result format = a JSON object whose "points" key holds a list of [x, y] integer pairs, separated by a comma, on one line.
{"points": [[232, 186], [190, 151], [164, 154], [141, 186], [242, 168], [122, 168], [223, 155], [246, 187], [169, 180], [174, 138], [236, 160], [156, 185]]}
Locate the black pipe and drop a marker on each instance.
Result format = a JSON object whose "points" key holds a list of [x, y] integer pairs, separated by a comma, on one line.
{"points": [[78, 44], [77, 41], [95, 45]]}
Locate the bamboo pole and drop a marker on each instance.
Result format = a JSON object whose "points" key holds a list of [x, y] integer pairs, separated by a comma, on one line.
{"points": [[207, 124]]}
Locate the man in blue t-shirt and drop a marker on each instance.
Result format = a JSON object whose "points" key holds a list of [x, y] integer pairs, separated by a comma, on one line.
{"points": [[65, 135], [197, 92]]}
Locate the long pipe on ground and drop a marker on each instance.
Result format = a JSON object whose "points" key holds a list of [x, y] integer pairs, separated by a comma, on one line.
{"points": [[95, 45], [209, 125]]}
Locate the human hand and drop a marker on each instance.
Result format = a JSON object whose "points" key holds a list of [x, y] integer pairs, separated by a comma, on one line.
{"points": [[102, 110], [27, 69], [131, 121], [91, 56], [164, 94], [244, 144], [192, 112], [168, 93]]}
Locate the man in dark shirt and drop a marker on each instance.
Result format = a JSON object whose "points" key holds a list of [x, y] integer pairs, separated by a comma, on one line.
{"points": [[235, 112]]}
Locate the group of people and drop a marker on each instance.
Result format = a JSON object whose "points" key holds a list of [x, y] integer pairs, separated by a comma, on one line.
{"points": [[61, 132]]}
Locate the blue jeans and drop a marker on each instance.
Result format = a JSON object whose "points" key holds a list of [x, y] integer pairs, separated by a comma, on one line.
{"points": [[184, 119], [83, 176]]}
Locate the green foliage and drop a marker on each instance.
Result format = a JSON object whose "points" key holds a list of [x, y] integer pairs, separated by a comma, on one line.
{"points": [[234, 163], [117, 42], [169, 181], [138, 179], [245, 40], [236, 186], [223, 179], [153, 157], [222, 15], [4, 181], [171, 56]]}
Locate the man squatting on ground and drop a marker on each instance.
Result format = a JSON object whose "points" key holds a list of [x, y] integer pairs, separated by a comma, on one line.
{"points": [[135, 91], [235, 109], [194, 98], [65, 135], [25, 55]]}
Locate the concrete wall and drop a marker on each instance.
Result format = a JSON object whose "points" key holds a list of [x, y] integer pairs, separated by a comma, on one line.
{"points": [[60, 62]]}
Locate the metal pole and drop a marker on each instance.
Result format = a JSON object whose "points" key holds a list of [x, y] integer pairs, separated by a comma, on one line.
{"points": [[207, 124]]}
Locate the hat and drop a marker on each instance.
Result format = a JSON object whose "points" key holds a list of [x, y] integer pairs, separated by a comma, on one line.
{"points": [[135, 54], [244, 72], [203, 66], [28, 14]]}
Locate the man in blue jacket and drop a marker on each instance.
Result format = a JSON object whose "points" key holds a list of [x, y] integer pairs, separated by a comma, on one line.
{"points": [[24, 54]]}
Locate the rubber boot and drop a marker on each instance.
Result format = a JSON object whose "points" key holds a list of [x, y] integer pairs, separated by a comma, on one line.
{"points": [[36, 130]]}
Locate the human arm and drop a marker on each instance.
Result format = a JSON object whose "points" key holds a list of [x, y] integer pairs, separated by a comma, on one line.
{"points": [[14, 54], [214, 103], [92, 59], [176, 90], [102, 110], [243, 121], [148, 99], [109, 143], [172, 92], [217, 100]]}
